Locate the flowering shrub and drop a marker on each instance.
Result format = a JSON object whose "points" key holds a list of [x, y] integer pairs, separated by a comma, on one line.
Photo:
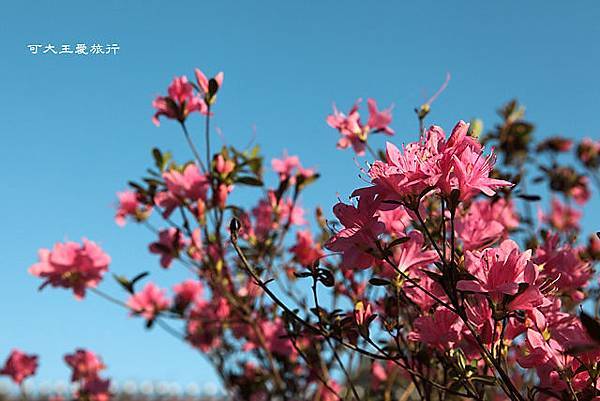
{"points": [[437, 282]]}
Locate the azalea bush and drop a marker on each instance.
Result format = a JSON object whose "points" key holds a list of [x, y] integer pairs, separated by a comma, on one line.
{"points": [[444, 276]]}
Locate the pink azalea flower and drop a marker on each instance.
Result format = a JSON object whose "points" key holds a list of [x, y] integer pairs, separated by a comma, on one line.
{"points": [[189, 184], [276, 338], [486, 222], [563, 266], [433, 162], [286, 166], [221, 195], [356, 241], [95, 390], [188, 292], [170, 242], [442, 330], [71, 265], [222, 166], [19, 366], [305, 250], [411, 254], [85, 365], [499, 271], [168, 201], [417, 295], [149, 302], [362, 312], [563, 217], [202, 82], [396, 220], [128, 206], [349, 128], [379, 120], [539, 352], [180, 102], [205, 325], [472, 171]]}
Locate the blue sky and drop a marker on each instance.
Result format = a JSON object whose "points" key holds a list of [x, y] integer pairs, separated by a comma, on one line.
{"points": [[75, 129]]}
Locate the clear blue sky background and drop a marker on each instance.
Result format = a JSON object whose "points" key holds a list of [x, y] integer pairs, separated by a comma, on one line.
{"points": [[75, 129]]}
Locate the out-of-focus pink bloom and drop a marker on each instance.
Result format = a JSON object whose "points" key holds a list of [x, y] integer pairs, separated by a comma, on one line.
{"points": [[356, 241], [85, 365], [203, 81], [188, 292], [379, 121], [205, 325], [222, 193], [180, 102], [168, 201], [222, 166], [189, 184], [130, 205], [196, 249], [95, 390], [362, 312], [19, 366], [305, 250], [170, 242], [149, 302], [286, 166], [441, 330], [563, 217], [71, 265], [276, 338], [563, 266], [330, 392], [486, 222]]}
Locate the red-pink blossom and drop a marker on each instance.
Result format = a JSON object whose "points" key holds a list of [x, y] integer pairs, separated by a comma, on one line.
{"points": [[188, 292], [486, 222], [170, 242], [305, 250], [442, 330], [189, 184], [130, 205], [222, 166], [203, 83], [19, 366], [379, 120], [180, 102], [563, 266], [149, 302], [501, 271], [411, 255], [562, 216], [356, 241], [71, 265], [85, 365], [353, 132], [95, 390]]}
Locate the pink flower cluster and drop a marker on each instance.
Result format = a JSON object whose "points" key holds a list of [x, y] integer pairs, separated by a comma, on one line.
{"points": [[72, 265]]}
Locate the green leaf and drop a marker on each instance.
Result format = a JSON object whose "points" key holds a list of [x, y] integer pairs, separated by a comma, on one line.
{"points": [[248, 180]]}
